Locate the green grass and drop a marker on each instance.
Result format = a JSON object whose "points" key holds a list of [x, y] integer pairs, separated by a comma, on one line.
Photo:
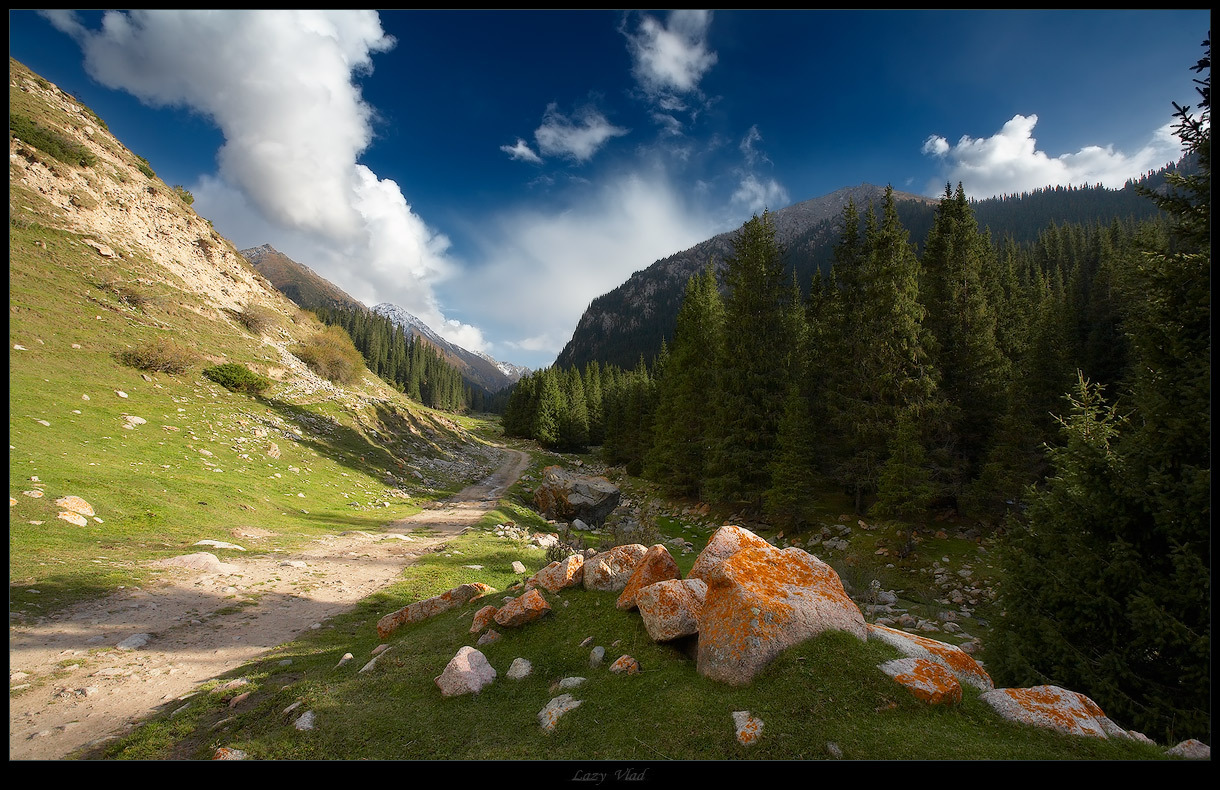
{"points": [[827, 690]]}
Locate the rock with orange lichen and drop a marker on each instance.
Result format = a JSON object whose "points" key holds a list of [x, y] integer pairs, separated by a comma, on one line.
{"points": [[670, 609], [483, 618], [929, 681], [723, 544], [656, 566], [609, 571], [466, 673], [561, 574], [953, 658], [548, 717], [1056, 708], [519, 611], [749, 728], [1191, 750], [625, 665], [761, 601], [430, 607]]}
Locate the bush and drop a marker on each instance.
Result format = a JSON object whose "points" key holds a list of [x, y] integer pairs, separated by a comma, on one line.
{"points": [[238, 378], [332, 356], [159, 356], [51, 142], [145, 167], [255, 318], [132, 296], [183, 194]]}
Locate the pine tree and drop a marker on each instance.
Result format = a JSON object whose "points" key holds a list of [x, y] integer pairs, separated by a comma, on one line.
{"points": [[687, 389], [753, 379]]}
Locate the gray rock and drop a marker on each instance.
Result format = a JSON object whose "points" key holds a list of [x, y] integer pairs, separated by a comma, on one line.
{"points": [[520, 668], [1191, 750], [548, 717], [134, 641], [305, 722], [596, 656], [466, 673]]}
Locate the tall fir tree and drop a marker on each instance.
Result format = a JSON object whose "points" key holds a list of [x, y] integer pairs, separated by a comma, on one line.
{"points": [[753, 379], [687, 389]]}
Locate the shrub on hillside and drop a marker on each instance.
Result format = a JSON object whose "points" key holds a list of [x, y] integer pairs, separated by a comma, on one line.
{"points": [[331, 355], [145, 167], [159, 356], [238, 378], [50, 141], [254, 317], [183, 194]]}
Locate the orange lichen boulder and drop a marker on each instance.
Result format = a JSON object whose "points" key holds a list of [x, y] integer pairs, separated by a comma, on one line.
{"points": [[609, 571], [722, 545], [656, 566], [561, 574], [1056, 708], [670, 609], [429, 607], [526, 609], [927, 680], [483, 618], [953, 658], [761, 601]]}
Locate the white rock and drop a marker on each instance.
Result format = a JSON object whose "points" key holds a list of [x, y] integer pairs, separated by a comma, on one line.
{"points": [[519, 669], [120, 393], [134, 641], [305, 722], [219, 544], [548, 717], [570, 683], [466, 673]]}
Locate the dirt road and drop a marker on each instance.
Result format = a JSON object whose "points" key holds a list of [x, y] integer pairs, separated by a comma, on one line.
{"points": [[83, 689]]}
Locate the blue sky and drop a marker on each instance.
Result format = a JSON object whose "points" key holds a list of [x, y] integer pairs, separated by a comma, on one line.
{"points": [[493, 172]]}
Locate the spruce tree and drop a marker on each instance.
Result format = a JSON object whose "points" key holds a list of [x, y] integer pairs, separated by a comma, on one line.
{"points": [[687, 389], [753, 379]]}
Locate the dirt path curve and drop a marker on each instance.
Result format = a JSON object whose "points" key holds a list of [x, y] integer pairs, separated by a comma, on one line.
{"points": [[83, 689]]}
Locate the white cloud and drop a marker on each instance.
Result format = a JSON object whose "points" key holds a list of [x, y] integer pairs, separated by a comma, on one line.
{"points": [[671, 58], [670, 125], [544, 268], [578, 137], [747, 147], [521, 151], [279, 86], [1010, 162], [755, 194]]}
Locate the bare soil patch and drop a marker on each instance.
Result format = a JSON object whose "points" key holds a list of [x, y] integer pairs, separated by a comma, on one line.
{"points": [[82, 689]]}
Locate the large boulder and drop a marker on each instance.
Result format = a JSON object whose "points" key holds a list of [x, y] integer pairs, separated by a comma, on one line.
{"points": [[565, 496], [953, 658], [655, 566], [466, 673], [728, 540], [560, 574], [430, 607], [670, 609], [761, 601], [609, 571], [1056, 708], [519, 611]]}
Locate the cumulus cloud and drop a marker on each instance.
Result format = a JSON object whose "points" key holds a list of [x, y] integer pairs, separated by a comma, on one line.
{"points": [[521, 151], [671, 58], [546, 267], [578, 137], [279, 85], [756, 194], [1010, 162]]}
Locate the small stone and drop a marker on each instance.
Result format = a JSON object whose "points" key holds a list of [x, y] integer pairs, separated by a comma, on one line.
{"points": [[225, 753], [625, 665], [834, 751], [518, 567], [305, 722], [548, 717], [240, 698], [749, 728], [1191, 750], [519, 669], [120, 393], [346, 657], [596, 656], [570, 683], [489, 637], [134, 641]]}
